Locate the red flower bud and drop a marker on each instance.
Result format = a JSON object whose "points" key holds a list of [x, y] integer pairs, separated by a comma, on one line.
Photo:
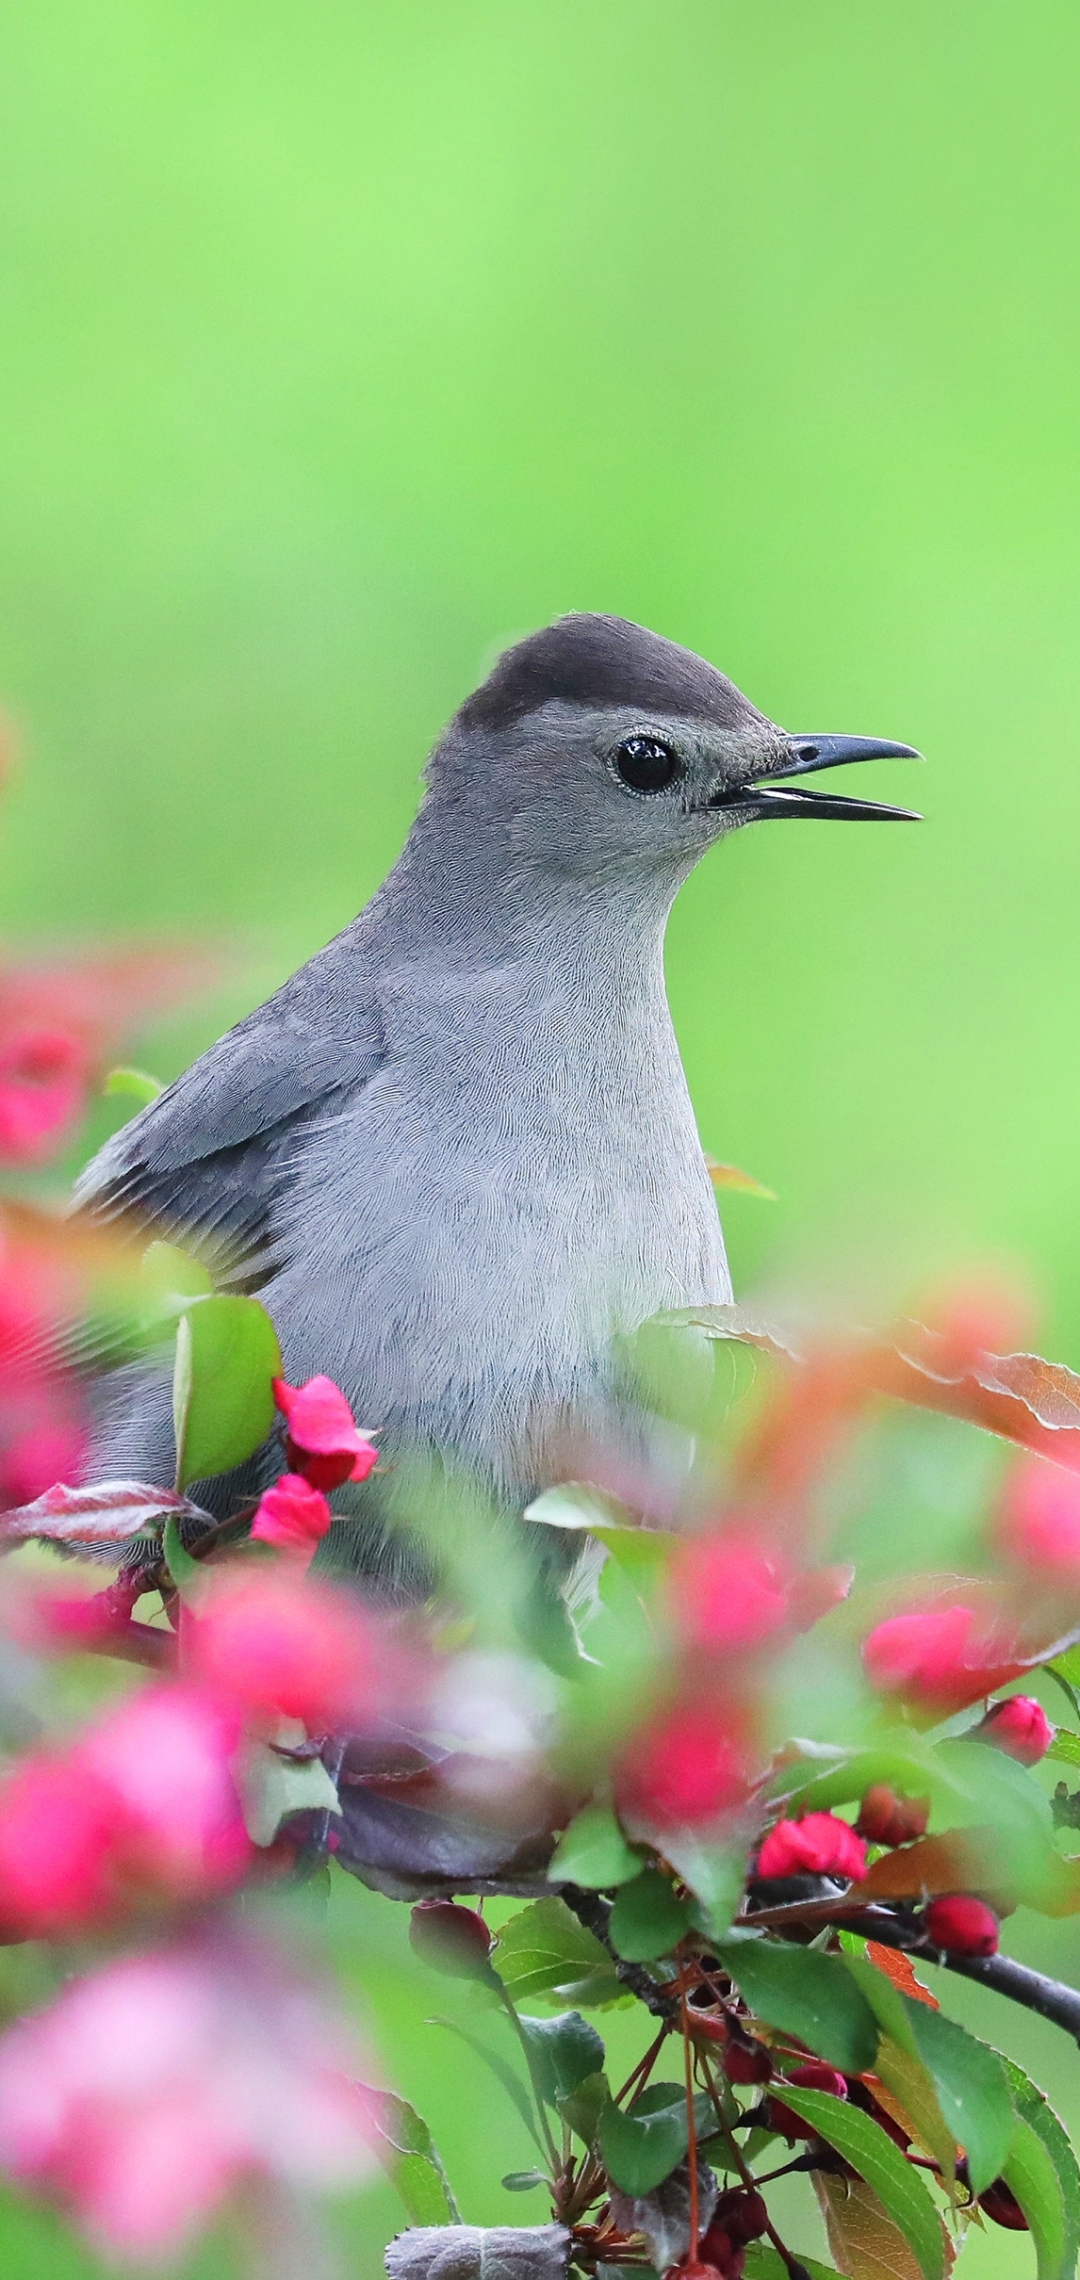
{"points": [[742, 2215], [292, 1517], [886, 1819], [1000, 2204], [716, 2253], [451, 1939], [747, 2061], [1020, 1727], [321, 1441], [818, 1845], [815, 2075], [960, 1925]]}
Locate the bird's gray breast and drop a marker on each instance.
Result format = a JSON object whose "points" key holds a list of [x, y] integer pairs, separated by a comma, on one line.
{"points": [[521, 1179]]}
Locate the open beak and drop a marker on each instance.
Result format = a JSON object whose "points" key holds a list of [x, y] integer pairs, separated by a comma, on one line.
{"points": [[808, 755]]}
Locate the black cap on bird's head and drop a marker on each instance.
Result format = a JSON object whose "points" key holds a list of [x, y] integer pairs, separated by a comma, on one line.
{"points": [[598, 665]]}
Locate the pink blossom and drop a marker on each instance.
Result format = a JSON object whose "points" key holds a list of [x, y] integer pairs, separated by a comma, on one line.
{"points": [[1040, 1518], [280, 1645], [292, 1516], [322, 1440], [147, 2093], [819, 1844], [727, 1594], [1020, 1727], [689, 1768], [937, 1658], [51, 1448]]}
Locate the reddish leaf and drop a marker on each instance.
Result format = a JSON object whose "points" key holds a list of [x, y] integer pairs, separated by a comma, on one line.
{"points": [[898, 1968], [958, 1861], [109, 1512]]}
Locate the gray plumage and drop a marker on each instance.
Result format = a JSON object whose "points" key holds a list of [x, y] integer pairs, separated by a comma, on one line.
{"points": [[456, 1153]]}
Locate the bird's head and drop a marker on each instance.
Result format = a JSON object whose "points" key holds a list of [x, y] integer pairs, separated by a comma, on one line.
{"points": [[595, 745]]}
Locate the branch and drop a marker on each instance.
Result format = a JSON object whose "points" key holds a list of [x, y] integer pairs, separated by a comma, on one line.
{"points": [[658, 1997]]}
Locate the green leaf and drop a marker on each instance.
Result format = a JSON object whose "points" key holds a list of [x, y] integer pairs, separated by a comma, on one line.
{"points": [[273, 1786], [511, 2082], [582, 2109], [647, 1920], [763, 2263], [135, 1084], [1065, 1747], [173, 1278], [806, 1994], [523, 2180], [1039, 2115], [182, 1568], [544, 1951], [562, 2051], [1031, 2175], [227, 1353], [642, 1552], [409, 2155], [640, 2148], [911, 2083], [716, 1875], [898, 2187], [972, 2089], [594, 1852]]}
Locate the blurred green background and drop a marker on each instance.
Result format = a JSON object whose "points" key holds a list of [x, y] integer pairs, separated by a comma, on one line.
{"points": [[341, 343]]}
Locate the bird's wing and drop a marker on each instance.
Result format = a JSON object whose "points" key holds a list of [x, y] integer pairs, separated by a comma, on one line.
{"points": [[206, 1160]]}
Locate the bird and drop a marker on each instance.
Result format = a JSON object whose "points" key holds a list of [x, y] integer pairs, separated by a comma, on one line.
{"points": [[455, 1153]]}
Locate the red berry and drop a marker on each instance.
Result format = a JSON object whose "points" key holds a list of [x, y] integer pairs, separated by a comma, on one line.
{"points": [[960, 1925], [747, 2062], [451, 1939], [815, 2075], [1020, 1727], [741, 2215], [1000, 2204], [886, 1819]]}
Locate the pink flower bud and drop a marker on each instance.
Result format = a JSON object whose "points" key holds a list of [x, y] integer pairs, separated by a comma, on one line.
{"points": [[815, 2075], [818, 1845], [937, 1658], [293, 1517], [322, 1441], [886, 1819], [1020, 1727], [960, 1925], [1039, 1523], [451, 1938]]}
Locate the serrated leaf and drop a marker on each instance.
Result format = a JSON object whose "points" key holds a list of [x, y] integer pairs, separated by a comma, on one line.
{"points": [[903, 2197], [647, 1920], [562, 2052], [109, 1512], [544, 1951], [594, 1852], [273, 1786], [408, 2153], [1030, 2173], [1039, 2115], [805, 1994], [900, 2077], [640, 2148], [1065, 1747], [866, 2243], [227, 1355], [504, 2074], [972, 2089]]}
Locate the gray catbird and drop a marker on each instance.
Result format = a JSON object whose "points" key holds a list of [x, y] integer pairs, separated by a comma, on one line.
{"points": [[455, 1153]]}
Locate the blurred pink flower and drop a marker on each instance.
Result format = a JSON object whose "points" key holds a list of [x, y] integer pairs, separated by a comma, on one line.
{"points": [[322, 1441], [820, 1844], [938, 1658], [140, 1808], [292, 1516], [1039, 1524], [44, 1078], [727, 1593], [689, 1768], [279, 1645], [149, 2092], [52, 1449]]}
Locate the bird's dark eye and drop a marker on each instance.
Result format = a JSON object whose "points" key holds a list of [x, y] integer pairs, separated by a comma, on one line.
{"points": [[646, 764]]}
